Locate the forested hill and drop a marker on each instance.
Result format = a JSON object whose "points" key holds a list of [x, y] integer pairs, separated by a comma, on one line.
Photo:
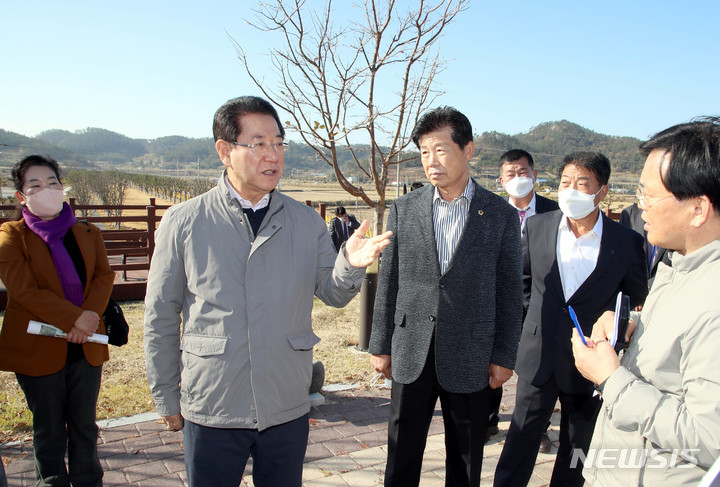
{"points": [[547, 142], [15, 146]]}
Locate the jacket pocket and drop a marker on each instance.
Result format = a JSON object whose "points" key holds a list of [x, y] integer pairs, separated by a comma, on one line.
{"points": [[303, 341], [203, 345]]}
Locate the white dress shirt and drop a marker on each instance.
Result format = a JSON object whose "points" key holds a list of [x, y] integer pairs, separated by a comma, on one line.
{"points": [[577, 257], [264, 201]]}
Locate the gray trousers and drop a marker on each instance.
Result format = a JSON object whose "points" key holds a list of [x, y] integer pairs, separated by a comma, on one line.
{"points": [[63, 406]]}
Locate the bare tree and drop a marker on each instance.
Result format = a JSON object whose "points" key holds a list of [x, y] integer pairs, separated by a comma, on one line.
{"points": [[110, 186], [81, 188], [333, 81]]}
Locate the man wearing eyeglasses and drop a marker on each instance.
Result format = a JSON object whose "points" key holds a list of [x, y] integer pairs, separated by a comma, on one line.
{"points": [[631, 217], [659, 423], [241, 263]]}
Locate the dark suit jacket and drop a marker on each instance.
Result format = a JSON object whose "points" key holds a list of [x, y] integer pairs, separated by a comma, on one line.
{"points": [[474, 309], [35, 293], [336, 230], [631, 218], [545, 347], [543, 204]]}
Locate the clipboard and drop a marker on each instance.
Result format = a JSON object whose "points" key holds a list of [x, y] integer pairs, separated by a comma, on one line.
{"points": [[622, 315]]}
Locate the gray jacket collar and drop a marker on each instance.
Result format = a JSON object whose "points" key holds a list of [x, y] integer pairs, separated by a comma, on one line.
{"points": [[689, 262]]}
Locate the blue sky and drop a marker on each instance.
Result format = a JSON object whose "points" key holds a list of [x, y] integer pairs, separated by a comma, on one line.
{"points": [[153, 68]]}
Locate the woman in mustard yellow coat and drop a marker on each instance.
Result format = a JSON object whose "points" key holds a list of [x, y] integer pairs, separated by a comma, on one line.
{"points": [[56, 271]]}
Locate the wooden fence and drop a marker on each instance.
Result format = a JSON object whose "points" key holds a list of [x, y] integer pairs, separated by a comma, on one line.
{"points": [[129, 240]]}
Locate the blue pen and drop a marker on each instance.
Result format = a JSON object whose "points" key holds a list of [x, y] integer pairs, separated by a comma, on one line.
{"points": [[577, 325]]}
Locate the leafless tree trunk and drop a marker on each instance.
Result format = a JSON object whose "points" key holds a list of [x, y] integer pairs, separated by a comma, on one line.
{"points": [[110, 189], [329, 76], [81, 188]]}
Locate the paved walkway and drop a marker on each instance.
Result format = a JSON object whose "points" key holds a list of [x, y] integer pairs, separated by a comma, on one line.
{"points": [[347, 447]]}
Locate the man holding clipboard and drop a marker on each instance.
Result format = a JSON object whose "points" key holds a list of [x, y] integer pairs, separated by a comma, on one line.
{"points": [[660, 403], [616, 336]]}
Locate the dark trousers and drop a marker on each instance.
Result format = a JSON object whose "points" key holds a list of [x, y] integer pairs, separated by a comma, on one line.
{"points": [[63, 406], [495, 400], [3, 478], [411, 410], [217, 456], [533, 408]]}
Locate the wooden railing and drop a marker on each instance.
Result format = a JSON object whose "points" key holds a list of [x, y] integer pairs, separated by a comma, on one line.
{"points": [[129, 240], [137, 238]]}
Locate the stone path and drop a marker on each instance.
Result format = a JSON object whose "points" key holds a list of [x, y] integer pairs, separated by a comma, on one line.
{"points": [[347, 447]]}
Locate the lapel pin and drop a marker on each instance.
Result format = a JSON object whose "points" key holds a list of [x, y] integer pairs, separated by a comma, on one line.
{"points": [[480, 212]]}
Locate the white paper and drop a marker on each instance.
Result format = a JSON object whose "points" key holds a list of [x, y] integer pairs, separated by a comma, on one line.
{"points": [[45, 329], [613, 338]]}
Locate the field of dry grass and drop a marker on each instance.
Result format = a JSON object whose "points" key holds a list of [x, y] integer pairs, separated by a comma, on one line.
{"points": [[124, 389]]}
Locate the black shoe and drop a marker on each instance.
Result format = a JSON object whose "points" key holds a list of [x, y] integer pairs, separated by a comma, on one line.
{"points": [[545, 443], [491, 430]]}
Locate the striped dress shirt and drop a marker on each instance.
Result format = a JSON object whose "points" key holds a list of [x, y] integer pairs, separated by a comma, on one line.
{"points": [[449, 221]]}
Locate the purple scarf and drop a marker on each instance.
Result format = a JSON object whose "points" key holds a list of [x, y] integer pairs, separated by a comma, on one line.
{"points": [[52, 232]]}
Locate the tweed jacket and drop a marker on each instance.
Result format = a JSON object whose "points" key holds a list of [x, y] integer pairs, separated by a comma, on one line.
{"points": [[35, 293], [474, 310]]}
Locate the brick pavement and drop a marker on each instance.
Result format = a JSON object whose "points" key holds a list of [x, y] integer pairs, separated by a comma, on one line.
{"points": [[347, 447]]}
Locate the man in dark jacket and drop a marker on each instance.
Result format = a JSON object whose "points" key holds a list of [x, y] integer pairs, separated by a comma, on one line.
{"points": [[342, 226], [518, 177]]}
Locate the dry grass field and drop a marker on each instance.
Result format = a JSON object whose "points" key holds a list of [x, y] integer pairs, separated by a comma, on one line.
{"points": [[124, 389], [333, 195]]}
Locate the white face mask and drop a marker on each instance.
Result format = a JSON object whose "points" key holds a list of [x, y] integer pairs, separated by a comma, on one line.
{"points": [[576, 205], [519, 187], [46, 203]]}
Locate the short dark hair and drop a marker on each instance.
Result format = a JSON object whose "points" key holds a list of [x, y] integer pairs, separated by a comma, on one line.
{"points": [[440, 118], [340, 210], [20, 168], [515, 155], [694, 164], [416, 185], [592, 161], [225, 122]]}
